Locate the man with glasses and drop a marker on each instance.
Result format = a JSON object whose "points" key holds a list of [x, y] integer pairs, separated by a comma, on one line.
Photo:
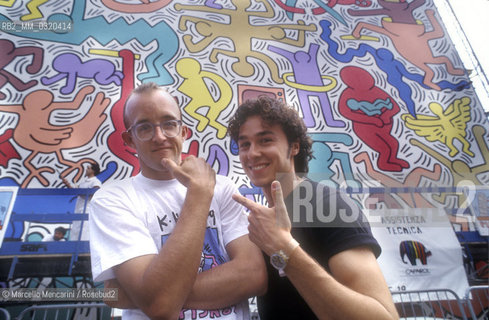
{"points": [[171, 239]]}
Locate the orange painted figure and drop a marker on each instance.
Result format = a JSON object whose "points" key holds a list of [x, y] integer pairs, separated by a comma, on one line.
{"points": [[412, 42], [36, 133], [412, 180]]}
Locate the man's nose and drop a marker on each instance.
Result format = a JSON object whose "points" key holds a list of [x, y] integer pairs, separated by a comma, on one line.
{"points": [[253, 151], [159, 135]]}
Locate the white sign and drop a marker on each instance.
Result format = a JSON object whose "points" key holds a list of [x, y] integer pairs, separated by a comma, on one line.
{"points": [[420, 250]]}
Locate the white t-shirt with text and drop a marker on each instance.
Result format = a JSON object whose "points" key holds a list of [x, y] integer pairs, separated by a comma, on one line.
{"points": [[134, 217]]}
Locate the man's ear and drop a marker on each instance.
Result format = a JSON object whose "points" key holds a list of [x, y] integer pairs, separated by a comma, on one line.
{"points": [[127, 137], [294, 149], [184, 132]]}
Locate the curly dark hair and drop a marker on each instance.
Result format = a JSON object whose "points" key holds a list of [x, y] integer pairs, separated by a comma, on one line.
{"points": [[276, 112], [60, 229], [96, 168]]}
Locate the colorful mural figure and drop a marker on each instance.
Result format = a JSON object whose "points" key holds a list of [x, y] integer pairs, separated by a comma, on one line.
{"points": [[144, 7], [371, 111], [114, 140], [70, 67], [412, 180], [118, 30], [34, 12], [396, 11], [379, 84], [461, 171], [388, 62], [412, 41], [8, 53], [7, 151], [309, 83], [36, 133], [195, 87], [241, 31], [324, 156], [445, 126]]}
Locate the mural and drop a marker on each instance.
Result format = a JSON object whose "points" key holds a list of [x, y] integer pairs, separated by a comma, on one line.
{"points": [[378, 83]]}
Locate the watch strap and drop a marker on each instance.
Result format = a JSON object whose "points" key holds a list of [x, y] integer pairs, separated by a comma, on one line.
{"points": [[285, 254]]}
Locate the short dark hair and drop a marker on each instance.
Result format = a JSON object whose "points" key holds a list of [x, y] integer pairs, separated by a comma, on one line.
{"points": [[60, 229], [95, 168], [273, 111], [143, 88]]}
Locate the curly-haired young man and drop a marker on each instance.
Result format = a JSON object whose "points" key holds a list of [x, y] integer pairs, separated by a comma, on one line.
{"points": [[324, 266]]}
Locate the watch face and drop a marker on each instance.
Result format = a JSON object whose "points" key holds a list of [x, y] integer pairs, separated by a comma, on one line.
{"points": [[278, 261]]}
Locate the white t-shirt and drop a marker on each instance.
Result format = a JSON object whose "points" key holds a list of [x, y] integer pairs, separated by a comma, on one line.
{"points": [[86, 183], [76, 226], [134, 217]]}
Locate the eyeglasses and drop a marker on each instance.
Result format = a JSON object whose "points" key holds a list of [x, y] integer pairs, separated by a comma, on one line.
{"points": [[145, 131]]}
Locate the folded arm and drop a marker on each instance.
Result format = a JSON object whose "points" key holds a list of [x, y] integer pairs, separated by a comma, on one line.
{"points": [[242, 277], [355, 280], [159, 284]]}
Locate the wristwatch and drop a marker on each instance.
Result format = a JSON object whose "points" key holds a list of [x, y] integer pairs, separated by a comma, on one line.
{"points": [[280, 258]]}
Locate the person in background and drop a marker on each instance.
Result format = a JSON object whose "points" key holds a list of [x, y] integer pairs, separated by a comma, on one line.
{"points": [[316, 269], [171, 239], [89, 181], [59, 235]]}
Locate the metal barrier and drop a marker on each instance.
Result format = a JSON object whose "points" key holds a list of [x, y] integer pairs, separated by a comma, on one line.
{"points": [[419, 304], [477, 300], [4, 314], [86, 311], [429, 304]]}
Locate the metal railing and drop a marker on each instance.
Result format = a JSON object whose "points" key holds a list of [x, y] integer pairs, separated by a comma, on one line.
{"points": [[429, 304], [66, 311], [419, 304], [477, 300]]}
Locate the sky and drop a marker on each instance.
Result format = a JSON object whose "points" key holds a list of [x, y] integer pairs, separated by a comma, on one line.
{"points": [[473, 16]]}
